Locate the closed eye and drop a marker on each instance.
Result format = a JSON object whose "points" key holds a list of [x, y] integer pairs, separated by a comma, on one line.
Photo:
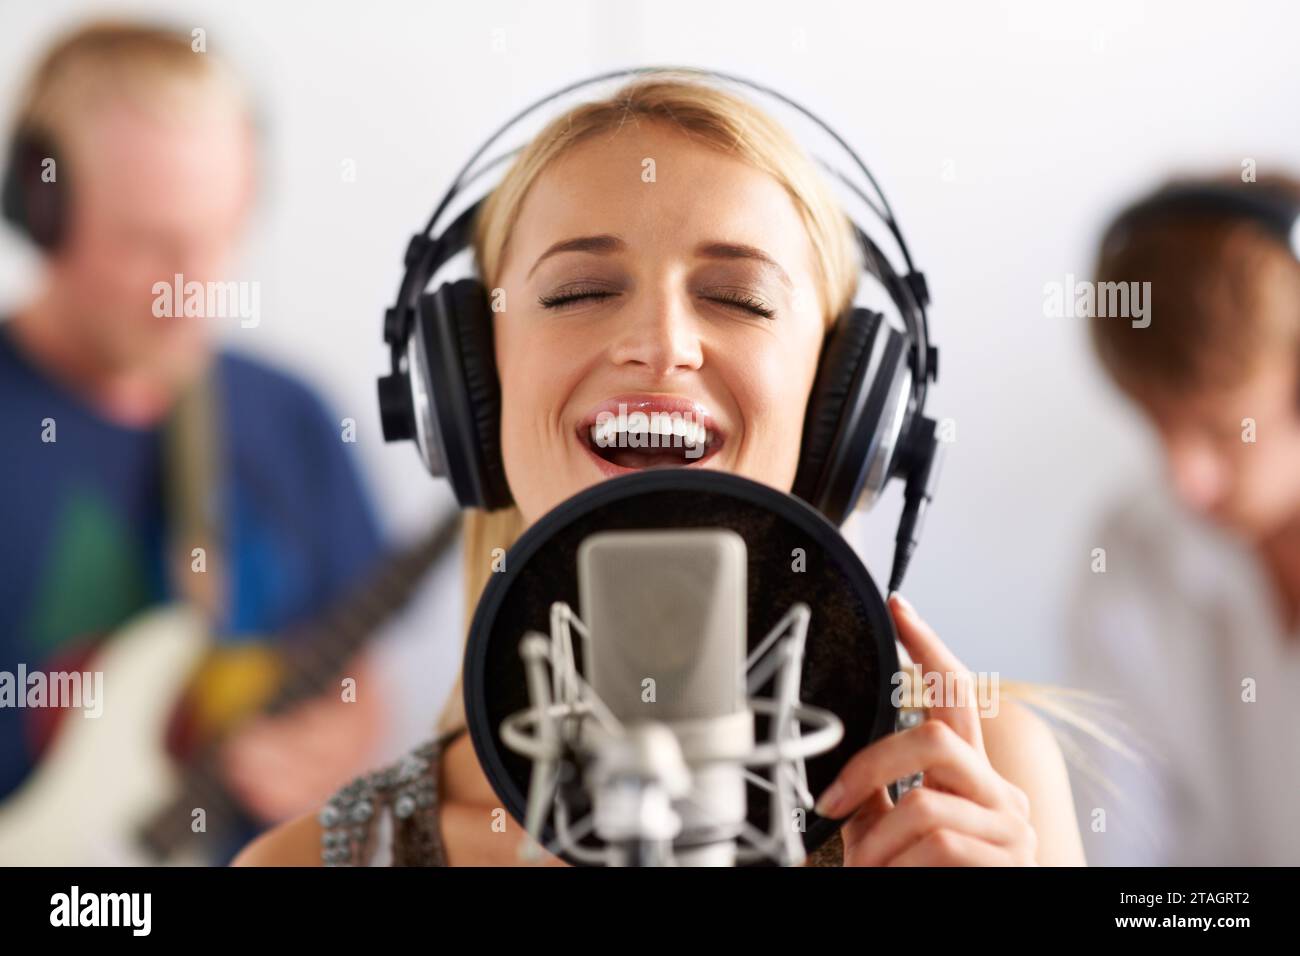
{"points": [[744, 301], [560, 300], [737, 299]]}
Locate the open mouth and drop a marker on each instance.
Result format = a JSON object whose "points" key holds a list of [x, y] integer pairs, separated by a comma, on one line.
{"points": [[636, 432]]}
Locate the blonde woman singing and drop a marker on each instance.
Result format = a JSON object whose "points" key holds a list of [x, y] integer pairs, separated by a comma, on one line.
{"points": [[714, 284]]}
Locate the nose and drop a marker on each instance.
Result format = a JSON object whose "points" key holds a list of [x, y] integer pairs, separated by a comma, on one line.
{"points": [[661, 336], [1199, 473]]}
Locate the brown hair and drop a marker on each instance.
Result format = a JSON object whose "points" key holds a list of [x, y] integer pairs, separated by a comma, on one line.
{"points": [[1224, 292]]}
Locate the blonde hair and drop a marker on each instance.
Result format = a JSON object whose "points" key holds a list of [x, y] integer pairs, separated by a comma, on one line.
{"points": [[719, 120], [151, 68]]}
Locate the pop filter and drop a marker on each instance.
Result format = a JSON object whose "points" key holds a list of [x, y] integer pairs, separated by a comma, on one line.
{"points": [[793, 555]]}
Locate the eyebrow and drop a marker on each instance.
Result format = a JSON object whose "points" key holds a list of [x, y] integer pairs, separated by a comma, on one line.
{"points": [[736, 250], [603, 245], [606, 244]]}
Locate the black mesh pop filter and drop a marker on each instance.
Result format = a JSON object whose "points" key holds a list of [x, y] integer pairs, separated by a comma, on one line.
{"points": [[850, 656]]}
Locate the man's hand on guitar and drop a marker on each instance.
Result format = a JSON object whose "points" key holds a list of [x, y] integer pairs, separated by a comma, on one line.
{"points": [[284, 765]]}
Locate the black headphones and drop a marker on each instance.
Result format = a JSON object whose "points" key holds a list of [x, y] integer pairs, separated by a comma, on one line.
{"points": [[36, 208], [1273, 210], [864, 422]]}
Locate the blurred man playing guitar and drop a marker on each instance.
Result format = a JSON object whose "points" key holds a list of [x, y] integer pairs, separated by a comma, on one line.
{"points": [[143, 465]]}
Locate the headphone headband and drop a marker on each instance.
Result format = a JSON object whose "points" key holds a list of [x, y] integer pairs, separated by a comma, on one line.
{"points": [[909, 292], [1276, 211]]}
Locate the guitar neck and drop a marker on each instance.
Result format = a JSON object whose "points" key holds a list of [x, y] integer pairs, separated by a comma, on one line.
{"points": [[315, 654]]}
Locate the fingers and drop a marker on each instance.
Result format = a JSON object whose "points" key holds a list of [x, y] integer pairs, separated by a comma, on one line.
{"points": [[283, 765], [948, 761], [960, 713], [950, 848], [876, 806], [267, 796], [271, 777], [966, 814], [921, 812]]}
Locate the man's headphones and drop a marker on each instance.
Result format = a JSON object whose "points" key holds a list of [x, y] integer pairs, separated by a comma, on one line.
{"points": [[34, 206], [1274, 210], [864, 422], [39, 208]]}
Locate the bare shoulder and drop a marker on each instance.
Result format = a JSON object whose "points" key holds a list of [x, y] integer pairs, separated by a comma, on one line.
{"points": [[1018, 741], [1024, 751], [295, 843]]}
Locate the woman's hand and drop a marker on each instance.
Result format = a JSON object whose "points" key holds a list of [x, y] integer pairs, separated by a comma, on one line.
{"points": [[964, 815]]}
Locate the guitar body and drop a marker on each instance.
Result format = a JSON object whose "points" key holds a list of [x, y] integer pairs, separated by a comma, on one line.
{"points": [[104, 782], [102, 778]]}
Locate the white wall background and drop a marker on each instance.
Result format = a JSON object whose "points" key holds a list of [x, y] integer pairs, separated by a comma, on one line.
{"points": [[1045, 119]]}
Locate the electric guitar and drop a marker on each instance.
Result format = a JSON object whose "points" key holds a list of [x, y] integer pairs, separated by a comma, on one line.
{"points": [[106, 792]]}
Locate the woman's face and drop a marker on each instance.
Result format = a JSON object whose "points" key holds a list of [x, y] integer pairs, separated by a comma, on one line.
{"points": [[660, 310]]}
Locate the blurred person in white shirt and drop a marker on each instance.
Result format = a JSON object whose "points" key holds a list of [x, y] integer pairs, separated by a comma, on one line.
{"points": [[1190, 617]]}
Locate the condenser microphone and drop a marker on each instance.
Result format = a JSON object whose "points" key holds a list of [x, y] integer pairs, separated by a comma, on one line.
{"points": [[665, 612], [668, 668]]}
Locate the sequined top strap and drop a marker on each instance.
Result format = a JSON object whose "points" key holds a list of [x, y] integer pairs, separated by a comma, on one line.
{"points": [[405, 792]]}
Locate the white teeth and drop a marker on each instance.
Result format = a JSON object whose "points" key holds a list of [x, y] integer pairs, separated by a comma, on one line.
{"points": [[652, 430], [603, 432]]}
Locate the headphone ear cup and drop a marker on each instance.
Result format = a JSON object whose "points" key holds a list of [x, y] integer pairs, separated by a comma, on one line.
{"points": [[458, 418], [482, 386], [11, 200], [852, 402], [33, 205]]}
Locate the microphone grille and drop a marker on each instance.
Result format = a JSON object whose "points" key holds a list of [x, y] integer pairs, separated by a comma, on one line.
{"points": [[666, 614]]}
